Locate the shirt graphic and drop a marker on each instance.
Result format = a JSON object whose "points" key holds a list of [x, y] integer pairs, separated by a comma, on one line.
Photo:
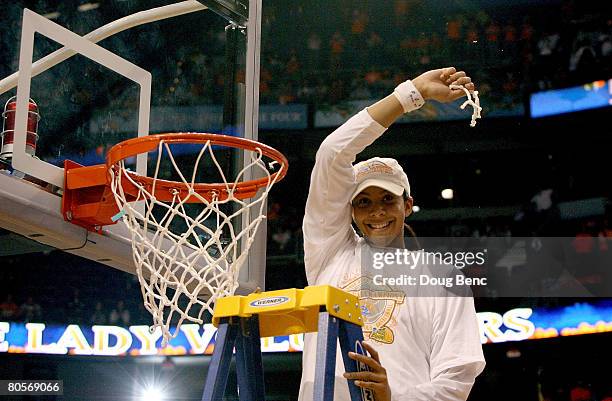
{"points": [[378, 307]]}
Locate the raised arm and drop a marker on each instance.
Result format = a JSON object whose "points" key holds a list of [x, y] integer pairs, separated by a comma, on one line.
{"points": [[327, 221], [432, 85]]}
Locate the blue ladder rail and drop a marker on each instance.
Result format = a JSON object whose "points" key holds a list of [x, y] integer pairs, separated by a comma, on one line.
{"points": [[243, 334]]}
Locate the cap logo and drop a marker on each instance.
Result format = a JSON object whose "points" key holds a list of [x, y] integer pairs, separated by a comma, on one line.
{"points": [[373, 168]]}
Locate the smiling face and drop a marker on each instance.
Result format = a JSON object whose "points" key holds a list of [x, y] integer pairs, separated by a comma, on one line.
{"points": [[380, 215]]}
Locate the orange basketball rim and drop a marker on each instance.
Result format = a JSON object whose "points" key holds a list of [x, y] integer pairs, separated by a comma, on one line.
{"points": [[89, 202]]}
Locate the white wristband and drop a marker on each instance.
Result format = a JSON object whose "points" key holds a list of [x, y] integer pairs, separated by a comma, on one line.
{"points": [[409, 97]]}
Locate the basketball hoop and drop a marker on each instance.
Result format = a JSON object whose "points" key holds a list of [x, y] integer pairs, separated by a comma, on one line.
{"points": [[177, 268]]}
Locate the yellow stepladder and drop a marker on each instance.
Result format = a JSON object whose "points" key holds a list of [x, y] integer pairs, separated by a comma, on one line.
{"points": [[242, 321]]}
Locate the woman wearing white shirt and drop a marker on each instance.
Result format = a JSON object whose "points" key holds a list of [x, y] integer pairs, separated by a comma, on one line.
{"points": [[422, 348]]}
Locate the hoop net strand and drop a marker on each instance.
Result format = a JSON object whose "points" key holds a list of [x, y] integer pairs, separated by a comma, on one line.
{"points": [[472, 100], [182, 274]]}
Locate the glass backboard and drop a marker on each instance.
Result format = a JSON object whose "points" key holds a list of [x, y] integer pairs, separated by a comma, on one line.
{"points": [[146, 68]]}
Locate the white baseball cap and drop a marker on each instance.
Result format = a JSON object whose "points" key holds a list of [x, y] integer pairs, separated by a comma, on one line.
{"points": [[382, 172]]}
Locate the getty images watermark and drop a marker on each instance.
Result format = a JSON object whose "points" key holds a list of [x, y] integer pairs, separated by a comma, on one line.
{"points": [[394, 259], [491, 267]]}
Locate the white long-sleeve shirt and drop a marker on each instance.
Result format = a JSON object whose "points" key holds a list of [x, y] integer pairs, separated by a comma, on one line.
{"points": [[430, 346]]}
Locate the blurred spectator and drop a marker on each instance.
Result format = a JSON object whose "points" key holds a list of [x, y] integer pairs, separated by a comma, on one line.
{"points": [[472, 38], [424, 52], [265, 78], [76, 308], [293, 65], [337, 91], [282, 237], [453, 29], [527, 30], [400, 11], [584, 241], [359, 90], [607, 228], [510, 41], [336, 47], [99, 315], [547, 61], [30, 311], [119, 315], [307, 91], [543, 200], [460, 229], [287, 94], [273, 212], [322, 89], [374, 44], [373, 76], [9, 310], [544, 217], [313, 47], [492, 33], [358, 25], [583, 62], [605, 46]]}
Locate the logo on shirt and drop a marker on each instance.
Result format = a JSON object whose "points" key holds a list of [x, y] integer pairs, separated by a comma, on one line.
{"points": [[377, 307], [270, 301]]}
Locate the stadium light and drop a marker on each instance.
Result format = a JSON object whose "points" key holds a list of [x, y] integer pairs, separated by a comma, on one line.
{"points": [[151, 394], [447, 193]]}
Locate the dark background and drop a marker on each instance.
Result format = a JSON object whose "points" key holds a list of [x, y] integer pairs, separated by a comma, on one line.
{"points": [[324, 54]]}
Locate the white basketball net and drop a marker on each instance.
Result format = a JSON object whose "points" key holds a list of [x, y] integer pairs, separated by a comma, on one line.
{"points": [[174, 269], [472, 100]]}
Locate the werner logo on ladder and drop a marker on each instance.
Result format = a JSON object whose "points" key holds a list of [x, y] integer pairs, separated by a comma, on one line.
{"points": [[242, 321]]}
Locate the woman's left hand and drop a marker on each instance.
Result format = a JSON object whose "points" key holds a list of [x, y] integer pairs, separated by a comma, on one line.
{"points": [[375, 379]]}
